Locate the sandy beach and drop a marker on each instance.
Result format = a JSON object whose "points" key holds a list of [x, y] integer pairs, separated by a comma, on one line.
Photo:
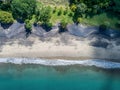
{"points": [[52, 47]]}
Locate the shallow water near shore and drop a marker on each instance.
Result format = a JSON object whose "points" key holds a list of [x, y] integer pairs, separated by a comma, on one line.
{"points": [[72, 77]]}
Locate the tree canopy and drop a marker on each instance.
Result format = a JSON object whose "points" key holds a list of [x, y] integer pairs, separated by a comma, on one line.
{"points": [[23, 9], [93, 7], [44, 14], [6, 17], [78, 11]]}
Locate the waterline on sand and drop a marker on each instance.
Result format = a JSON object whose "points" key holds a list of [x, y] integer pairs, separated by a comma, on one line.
{"points": [[60, 62]]}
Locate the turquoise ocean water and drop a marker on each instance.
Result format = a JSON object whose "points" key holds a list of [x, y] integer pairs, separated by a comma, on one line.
{"points": [[75, 77]]}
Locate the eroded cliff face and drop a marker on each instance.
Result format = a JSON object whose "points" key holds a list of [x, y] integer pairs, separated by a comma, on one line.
{"points": [[12, 30], [73, 29]]}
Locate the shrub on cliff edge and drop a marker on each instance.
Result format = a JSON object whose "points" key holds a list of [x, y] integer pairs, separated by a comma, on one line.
{"points": [[6, 17]]}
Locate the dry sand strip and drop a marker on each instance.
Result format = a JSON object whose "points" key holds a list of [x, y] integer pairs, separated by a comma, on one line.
{"points": [[52, 49]]}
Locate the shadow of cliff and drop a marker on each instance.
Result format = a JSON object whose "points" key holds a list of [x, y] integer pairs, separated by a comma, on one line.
{"points": [[2, 42], [21, 40]]}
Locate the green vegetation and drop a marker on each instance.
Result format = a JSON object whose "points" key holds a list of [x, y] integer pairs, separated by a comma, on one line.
{"points": [[6, 17], [43, 14], [117, 6], [101, 19], [96, 12], [64, 14], [63, 26], [28, 25], [5, 5], [50, 12], [23, 9]]}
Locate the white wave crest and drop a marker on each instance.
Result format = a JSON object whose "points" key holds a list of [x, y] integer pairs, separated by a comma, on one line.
{"points": [[60, 62]]}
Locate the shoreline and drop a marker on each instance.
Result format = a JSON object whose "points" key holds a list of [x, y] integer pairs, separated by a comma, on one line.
{"points": [[61, 58], [62, 62]]}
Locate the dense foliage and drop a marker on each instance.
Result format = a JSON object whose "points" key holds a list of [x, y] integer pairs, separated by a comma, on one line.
{"points": [[32, 11], [23, 9], [44, 14], [28, 25], [6, 17], [5, 5], [84, 8], [117, 6], [63, 26]]}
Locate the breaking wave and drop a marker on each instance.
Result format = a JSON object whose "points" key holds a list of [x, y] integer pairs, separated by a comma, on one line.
{"points": [[59, 62]]}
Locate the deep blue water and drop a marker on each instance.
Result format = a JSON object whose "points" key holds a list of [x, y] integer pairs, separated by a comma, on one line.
{"points": [[37, 77]]}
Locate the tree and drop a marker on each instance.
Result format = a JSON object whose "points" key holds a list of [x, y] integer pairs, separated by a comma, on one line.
{"points": [[44, 15], [63, 26], [6, 17], [23, 9], [73, 7], [28, 25], [116, 8], [81, 9], [92, 6], [5, 5]]}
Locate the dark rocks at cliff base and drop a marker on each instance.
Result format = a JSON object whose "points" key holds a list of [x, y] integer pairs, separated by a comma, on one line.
{"points": [[111, 33], [102, 43]]}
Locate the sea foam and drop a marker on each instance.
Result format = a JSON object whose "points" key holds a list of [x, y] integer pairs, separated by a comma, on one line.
{"points": [[59, 62]]}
